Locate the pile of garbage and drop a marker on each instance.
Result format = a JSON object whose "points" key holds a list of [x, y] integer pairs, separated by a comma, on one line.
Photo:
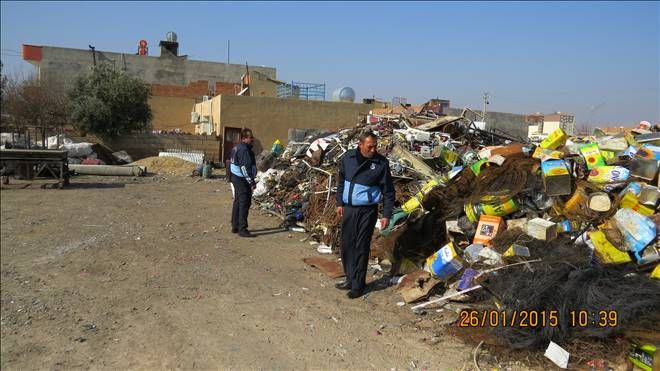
{"points": [[565, 229], [87, 153]]}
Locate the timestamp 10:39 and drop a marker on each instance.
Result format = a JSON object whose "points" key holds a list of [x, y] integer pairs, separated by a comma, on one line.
{"points": [[535, 318]]}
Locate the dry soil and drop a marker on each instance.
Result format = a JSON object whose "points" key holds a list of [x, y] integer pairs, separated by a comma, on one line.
{"points": [[143, 273]]}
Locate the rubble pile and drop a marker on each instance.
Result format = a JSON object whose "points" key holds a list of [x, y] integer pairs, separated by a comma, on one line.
{"points": [[167, 165], [566, 226]]}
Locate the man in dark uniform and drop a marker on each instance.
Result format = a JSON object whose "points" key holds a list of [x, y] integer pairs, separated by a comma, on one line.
{"points": [[243, 169], [364, 178]]}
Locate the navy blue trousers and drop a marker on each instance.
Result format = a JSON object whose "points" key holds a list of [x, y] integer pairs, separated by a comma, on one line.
{"points": [[242, 202], [357, 226]]}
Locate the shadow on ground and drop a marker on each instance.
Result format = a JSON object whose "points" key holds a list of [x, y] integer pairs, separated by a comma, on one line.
{"points": [[88, 185], [267, 231]]}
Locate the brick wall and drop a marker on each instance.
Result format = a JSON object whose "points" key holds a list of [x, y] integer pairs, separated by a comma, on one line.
{"points": [[194, 90]]}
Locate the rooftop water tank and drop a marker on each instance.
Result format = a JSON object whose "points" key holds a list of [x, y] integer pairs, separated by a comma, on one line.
{"points": [[345, 94]]}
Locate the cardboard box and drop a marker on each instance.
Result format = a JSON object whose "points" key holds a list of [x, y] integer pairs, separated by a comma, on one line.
{"points": [[609, 157], [592, 155], [489, 226], [643, 168], [542, 229], [547, 154], [648, 152], [556, 178], [556, 139], [517, 250], [509, 151], [610, 174]]}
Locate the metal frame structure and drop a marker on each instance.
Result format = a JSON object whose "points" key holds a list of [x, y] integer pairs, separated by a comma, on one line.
{"points": [[301, 90], [35, 163]]}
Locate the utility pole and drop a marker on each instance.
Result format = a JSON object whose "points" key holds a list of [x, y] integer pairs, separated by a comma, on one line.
{"points": [[486, 102], [228, 48], [93, 49]]}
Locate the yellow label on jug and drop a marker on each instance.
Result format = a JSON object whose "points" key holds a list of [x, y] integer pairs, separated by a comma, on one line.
{"points": [[415, 201], [490, 205], [500, 209]]}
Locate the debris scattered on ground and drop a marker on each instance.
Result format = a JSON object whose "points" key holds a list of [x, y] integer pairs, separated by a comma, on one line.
{"points": [[562, 232], [327, 266]]}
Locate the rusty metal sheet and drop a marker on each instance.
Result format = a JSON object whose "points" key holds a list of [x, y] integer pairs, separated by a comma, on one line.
{"points": [[330, 267]]}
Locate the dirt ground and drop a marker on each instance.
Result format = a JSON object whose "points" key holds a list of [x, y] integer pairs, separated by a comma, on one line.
{"points": [[144, 273]]}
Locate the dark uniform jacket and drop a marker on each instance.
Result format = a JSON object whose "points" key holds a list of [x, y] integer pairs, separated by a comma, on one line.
{"points": [[362, 184], [243, 164]]}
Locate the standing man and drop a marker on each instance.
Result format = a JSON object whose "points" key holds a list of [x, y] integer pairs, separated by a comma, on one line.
{"points": [[364, 178], [243, 170]]}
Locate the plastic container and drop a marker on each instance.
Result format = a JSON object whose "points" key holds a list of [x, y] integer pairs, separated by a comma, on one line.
{"points": [[490, 205], [444, 263], [207, 170], [415, 201], [277, 148]]}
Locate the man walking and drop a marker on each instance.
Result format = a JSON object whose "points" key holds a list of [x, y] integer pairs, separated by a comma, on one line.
{"points": [[364, 178], [243, 169]]}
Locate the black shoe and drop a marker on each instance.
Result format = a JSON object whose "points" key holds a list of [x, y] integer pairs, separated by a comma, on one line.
{"points": [[234, 230], [354, 294], [246, 234], [343, 285]]}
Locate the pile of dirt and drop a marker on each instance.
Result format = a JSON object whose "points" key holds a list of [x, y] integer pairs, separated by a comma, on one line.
{"points": [[167, 165]]}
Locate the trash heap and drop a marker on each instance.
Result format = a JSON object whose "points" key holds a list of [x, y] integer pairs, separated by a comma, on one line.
{"points": [[87, 153], [566, 228]]}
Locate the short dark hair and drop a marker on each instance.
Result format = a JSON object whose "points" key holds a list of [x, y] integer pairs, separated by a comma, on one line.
{"points": [[246, 133], [366, 134]]}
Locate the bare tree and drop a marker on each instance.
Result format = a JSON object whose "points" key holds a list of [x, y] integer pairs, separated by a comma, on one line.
{"points": [[583, 128], [32, 104]]}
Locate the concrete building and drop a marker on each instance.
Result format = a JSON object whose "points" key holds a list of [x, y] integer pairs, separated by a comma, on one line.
{"points": [[534, 123], [271, 118], [65, 64], [553, 121], [177, 82], [541, 125]]}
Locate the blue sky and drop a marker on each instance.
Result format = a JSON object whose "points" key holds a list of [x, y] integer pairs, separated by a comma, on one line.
{"points": [[600, 61]]}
